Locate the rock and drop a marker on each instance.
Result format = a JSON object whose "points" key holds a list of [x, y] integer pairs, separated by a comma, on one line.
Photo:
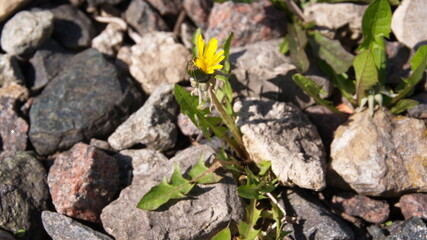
{"points": [[398, 66], [186, 126], [413, 228], [124, 59], [73, 29], [23, 193], [95, 3], [194, 218], [169, 65], [5, 235], [281, 133], [87, 98], [13, 129], [15, 91], [414, 205], [315, 221], [152, 125], [10, 71], [46, 63], [260, 22], [407, 24], [380, 155], [167, 7], [7, 8], [419, 112], [143, 18], [370, 210], [26, 31], [62, 227], [110, 40], [82, 181], [336, 16], [100, 144], [198, 11]]}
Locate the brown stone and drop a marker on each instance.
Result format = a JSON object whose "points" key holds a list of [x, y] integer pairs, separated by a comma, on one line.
{"points": [[82, 181], [414, 205], [13, 129], [167, 7], [198, 11]]}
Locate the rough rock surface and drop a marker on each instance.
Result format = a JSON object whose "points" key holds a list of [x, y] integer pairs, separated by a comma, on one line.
{"points": [[198, 11], [186, 126], [315, 221], [158, 59], [143, 18], [6, 236], [380, 155], [414, 205], [408, 23], [88, 98], [26, 31], [413, 228], [110, 40], [73, 29], [152, 125], [167, 7], [260, 22], [94, 3], [7, 8], [281, 133], [215, 206], [370, 210], [13, 129], [10, 71], [62, 227], [82, 181], [23, 192]]}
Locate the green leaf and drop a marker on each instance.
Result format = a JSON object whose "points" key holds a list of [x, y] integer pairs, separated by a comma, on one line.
{"points": [[226, 48], [331, 51], [418, 66], [225, 234], [314, 90], [247, 228], [199, 169], [263, 167], [297, 42], [380, 58], [194, 49], [366, 73], [376, 23], [284, 46], [178, 180], [251, 191], [403, 105]]}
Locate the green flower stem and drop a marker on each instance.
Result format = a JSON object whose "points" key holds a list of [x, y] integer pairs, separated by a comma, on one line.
{"points": [[237, 144]]}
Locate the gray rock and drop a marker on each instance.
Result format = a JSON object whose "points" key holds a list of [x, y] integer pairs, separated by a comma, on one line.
{"points": [[413, 228], [13, 129], [152, 125], [60, 227], [73, 29], [23, 193], [167, 7], [143, 18], [407, 23], [262, 71], [88, 98], [158, 59], [26, 31], [315, 220], [109, 40], [281, 133], [380, 155], [10, 71], [46, 63], [9, 7], [207, 211]]}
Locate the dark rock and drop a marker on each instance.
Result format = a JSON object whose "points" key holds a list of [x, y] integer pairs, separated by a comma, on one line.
{"points": [[198, 11], [95, 3], [46, 63], [23, 193], [13, 129], [414, 205], [261, 19], [88, 98], [6, 236], [370, 210], [82, 181], [143, 18], [73, 29], [167, 7], [411, 229], [315, 220], [62, 227], [26, 31], [398, 66]]}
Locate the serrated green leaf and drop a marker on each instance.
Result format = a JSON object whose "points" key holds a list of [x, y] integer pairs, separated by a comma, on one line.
{"points": [[419, 63], [376, 23], [366, 73], [178, 180], [297, 42], [403, 105], [314, 90], [225, 234], [251, 191], [200, 169], [331, 51], [247, 228]]}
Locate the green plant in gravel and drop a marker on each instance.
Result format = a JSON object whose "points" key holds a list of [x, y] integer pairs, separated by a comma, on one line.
{"points": [[209, 106], [368, 87]]}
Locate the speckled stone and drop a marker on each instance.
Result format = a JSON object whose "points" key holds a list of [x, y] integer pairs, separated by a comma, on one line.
{"points": [[13, 129], [414, 204]]}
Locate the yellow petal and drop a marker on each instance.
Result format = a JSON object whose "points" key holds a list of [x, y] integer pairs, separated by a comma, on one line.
{"points": [[200, 45], [211, 48]]}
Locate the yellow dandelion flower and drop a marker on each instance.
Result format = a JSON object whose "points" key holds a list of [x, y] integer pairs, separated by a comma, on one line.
{"points": [[208, 59]]}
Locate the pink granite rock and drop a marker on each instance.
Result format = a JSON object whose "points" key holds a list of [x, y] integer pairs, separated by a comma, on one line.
{"points": [[414, 205], [82, 181]]}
